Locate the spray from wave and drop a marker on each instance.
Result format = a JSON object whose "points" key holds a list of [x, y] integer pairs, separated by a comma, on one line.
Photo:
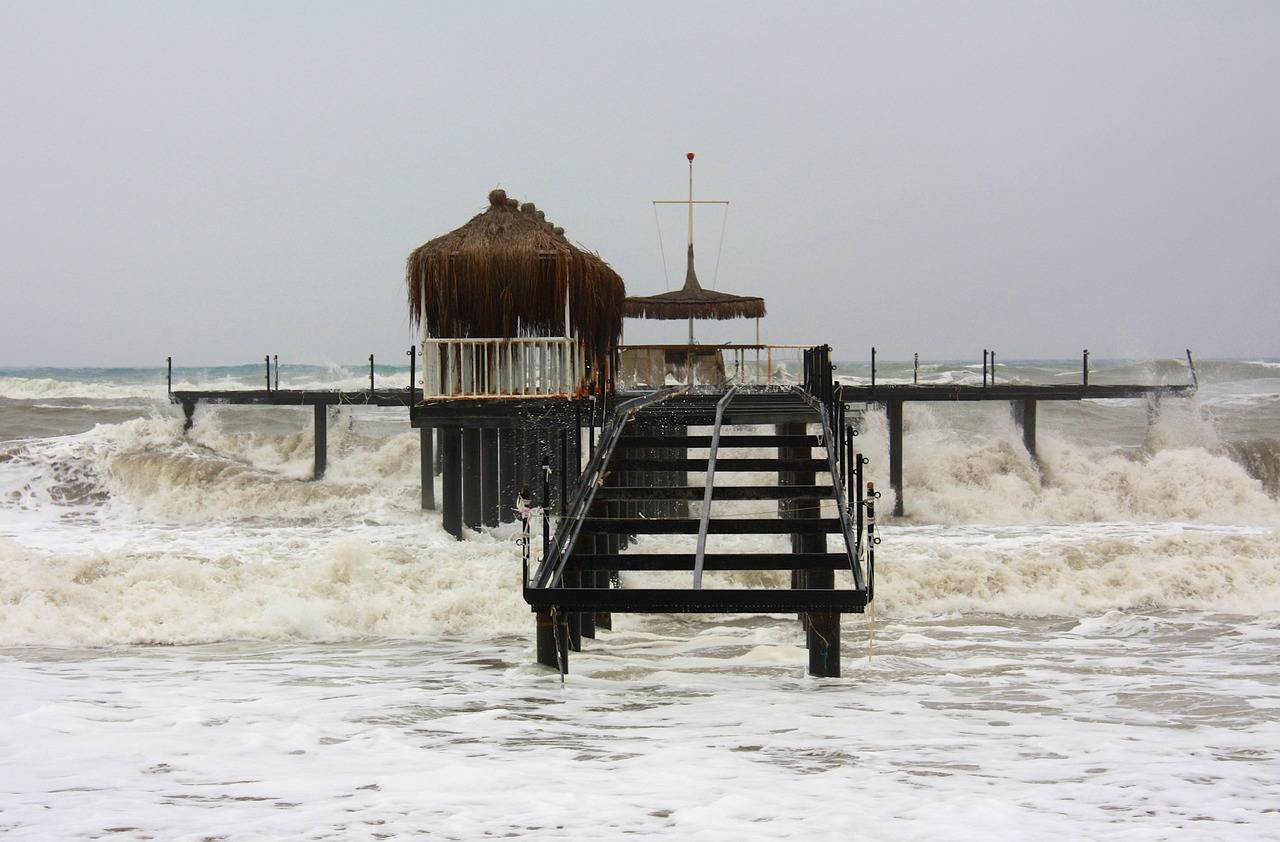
{"points": [[134, 532]]}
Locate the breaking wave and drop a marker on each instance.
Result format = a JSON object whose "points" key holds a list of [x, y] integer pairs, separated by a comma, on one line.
{"points": [[133, 532]]}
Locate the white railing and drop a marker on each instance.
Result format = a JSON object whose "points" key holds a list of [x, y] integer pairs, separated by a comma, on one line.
{"points": [[655, 366], [457, 368]]}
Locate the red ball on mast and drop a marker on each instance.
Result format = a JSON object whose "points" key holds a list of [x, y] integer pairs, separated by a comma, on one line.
{"points": [[689, 156]]}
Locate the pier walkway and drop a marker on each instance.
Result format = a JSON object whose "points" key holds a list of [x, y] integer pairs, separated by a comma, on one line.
{"points": [[636, 484], [1023, 398]]}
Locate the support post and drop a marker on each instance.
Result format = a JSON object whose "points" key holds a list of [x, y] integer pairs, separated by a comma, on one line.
{"points": [[823, 632], [169, 361], [894, 408], [548, 638], [793, 509], [1024, 412], [451, 456], [472, 510], [489, 475], [322, 439], [508, 487], [426, 461], [188, 415]]}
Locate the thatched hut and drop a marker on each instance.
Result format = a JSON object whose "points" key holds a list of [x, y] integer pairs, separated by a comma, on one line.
{"points": [[510, 273]]}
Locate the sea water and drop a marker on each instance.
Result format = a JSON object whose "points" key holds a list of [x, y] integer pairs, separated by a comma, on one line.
{"points": [[199, 642]]}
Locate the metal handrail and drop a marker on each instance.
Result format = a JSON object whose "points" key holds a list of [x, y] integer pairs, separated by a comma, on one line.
{"points": [[727, 346], [704, 523], [842, 501], [551, 568]]}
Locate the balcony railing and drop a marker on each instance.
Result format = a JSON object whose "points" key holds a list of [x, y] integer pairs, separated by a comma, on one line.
{"points": [[479, 368], [656, 366]]}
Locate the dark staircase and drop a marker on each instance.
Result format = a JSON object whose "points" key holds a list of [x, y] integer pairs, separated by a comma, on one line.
{"points": [[636, 484]]}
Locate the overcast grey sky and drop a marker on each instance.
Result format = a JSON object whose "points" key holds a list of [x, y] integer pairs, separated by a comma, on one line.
{"points": [[220, 180]]}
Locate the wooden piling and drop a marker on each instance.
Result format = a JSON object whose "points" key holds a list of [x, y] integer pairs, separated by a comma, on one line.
{"points": [[321, 440], [547, 641], [790, 509], [894, 410], [1024, 413], [426, 460], [508, 486], [823, 632], [472, 508], [489, 476], [451, 456]]}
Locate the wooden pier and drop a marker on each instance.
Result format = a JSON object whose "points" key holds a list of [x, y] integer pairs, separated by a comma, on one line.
{"points": [[523, 380], [320, 400], [1023, 399]]}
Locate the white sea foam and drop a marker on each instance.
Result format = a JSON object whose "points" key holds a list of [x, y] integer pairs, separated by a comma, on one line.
{"points": [[1082, 649], [222, 535]]}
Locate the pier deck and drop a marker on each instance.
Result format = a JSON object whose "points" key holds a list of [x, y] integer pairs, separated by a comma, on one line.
{"points": [[299, 397], [883, 392], [1022, 397], [319, 400]]}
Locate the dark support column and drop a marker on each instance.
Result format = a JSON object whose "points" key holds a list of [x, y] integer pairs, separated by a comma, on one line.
{"points": [[587, 579], [472, 510], [609, 544], [532, 452], [810, 509], [322, 439], [451, 457], [547, 641], [894, 408], [439, 460], [427, 460], [188, 415], [520, 459], [1024, 412], [824, 639], [489, 476], [508, 486], [790, 509]]}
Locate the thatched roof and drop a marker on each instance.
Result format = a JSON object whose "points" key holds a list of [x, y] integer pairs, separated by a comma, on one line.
{"points": [[505, 274], [692, 301]]}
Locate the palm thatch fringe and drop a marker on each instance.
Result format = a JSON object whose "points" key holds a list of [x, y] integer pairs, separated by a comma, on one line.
{"points": [[694, 302], [506, 273]]}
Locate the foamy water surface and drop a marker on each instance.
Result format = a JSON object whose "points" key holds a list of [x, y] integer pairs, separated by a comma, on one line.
{"points": [[197, 641]]}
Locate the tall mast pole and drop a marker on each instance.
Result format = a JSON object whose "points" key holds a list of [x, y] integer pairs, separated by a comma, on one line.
{"points": [[690, 157], [691, 198]]}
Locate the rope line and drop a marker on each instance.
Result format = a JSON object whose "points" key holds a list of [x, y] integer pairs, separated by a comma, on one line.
{"points": [[666, 279], [723, 225]]}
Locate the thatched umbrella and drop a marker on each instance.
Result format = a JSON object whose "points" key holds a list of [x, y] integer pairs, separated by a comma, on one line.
{"points": [[506, 274], [692, 301]]}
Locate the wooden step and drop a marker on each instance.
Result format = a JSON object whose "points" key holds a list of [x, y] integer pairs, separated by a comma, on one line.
{"points": [[719, 492], [625, 464], [633, 442], [710, 561], [701, 601], [723, 526]]}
